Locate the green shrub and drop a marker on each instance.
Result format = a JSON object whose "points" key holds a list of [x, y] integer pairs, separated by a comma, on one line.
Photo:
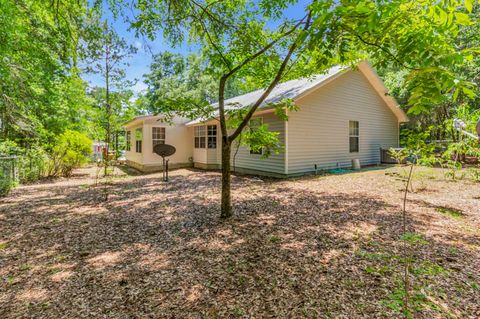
{"points": [[71, 150], [474, 174]]}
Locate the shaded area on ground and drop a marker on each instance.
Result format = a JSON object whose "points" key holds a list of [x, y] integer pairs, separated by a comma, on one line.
{"points": [[309, 247]]}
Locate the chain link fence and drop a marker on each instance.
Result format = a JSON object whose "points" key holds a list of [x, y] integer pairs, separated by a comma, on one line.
{"points": [[8, 173]]}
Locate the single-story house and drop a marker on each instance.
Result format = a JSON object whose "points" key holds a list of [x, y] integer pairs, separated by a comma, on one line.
{"points": [[342, 115]]}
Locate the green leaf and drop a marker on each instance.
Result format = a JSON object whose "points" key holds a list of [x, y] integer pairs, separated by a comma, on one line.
{"points": [[462, 18], [469, 5]]}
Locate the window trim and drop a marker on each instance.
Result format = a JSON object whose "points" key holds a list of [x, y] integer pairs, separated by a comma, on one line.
{"points": [[260, 119], [212, 136], [128, 141], [350, 136], [162, 131], [196, 135]]}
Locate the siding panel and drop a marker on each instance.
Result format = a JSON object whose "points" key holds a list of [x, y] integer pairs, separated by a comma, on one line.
{"points": [[319, 131], [275, 163]]}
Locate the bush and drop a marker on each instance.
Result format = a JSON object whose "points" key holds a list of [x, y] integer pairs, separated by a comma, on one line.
{"points": [[71, 150]]}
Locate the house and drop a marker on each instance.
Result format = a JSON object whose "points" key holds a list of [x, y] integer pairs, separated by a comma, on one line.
{"points": [[342, 115]]}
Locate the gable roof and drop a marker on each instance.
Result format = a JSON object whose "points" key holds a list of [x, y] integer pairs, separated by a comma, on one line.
{"points": [[177, 120], [295, 89]]}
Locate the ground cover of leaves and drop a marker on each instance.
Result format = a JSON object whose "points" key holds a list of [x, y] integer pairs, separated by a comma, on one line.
{"points": [[311, 247]]}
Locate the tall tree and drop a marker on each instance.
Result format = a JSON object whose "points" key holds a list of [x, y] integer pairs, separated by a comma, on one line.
{"points": [[123, 108], [412, 35], [105, 55], [38, 71]]}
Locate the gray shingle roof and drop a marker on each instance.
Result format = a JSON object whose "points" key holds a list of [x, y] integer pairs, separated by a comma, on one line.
{"points": [[287, 90]]}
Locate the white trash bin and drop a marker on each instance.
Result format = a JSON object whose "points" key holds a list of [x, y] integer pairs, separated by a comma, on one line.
{"points": [[355, 163]]}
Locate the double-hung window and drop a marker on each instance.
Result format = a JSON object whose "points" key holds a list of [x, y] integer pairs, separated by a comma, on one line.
{"points": [[212, 136], [138, 140], [158, 136], [354, 135], [254, 125], [128, 140], [199, 133]]}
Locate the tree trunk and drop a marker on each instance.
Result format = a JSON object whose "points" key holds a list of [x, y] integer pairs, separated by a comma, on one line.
{"points": [[226, 210]]}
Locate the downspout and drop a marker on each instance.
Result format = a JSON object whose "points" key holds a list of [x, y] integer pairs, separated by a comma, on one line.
{"points": [[285, 125]]}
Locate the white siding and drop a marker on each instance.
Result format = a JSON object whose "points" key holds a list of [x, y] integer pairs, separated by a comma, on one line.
{"points": [[318, 131], [176, 134], [275, 163]]}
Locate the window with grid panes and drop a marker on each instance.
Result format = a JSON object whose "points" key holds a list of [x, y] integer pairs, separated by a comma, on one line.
{"points": [[354, 136], [212, 136], [199, 136], [158, 136]]}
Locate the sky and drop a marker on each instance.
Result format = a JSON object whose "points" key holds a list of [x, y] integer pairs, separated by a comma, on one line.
{"points": [[139, 63]]}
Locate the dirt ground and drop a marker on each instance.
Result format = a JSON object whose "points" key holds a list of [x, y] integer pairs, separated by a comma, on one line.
{"points": [[312, 247]]}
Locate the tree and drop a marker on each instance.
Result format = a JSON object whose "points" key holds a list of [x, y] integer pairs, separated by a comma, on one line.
{"points": [[40, 90], [123, 108], [411, 35], [105, 52], [439, 113], [174, 77]]}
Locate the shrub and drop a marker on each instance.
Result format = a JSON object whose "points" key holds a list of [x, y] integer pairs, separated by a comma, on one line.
{"points": [[71, 150]]}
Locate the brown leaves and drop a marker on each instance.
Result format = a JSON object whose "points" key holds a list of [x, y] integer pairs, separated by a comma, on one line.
{"points": [[310, 247]]}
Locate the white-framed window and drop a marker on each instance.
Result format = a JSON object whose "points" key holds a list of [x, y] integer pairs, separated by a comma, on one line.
{"points": [[255, 124], [128, 140], [158, 136], [212, 136], [138, 140], [354, 136], [199, 136]]}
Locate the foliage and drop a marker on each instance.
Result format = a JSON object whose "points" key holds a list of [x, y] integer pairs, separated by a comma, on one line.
{"points": [[407, 35], [438, 113], [71, 150], [123, 109], [417, 147], [28, 165], [178, 83], [41, 93], [7, 181], [399, 155]]}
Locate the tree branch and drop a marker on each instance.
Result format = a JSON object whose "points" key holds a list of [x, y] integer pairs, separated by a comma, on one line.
{"points": [[272, 85]]}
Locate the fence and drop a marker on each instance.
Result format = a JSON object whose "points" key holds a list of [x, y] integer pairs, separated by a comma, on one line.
{"points": [[8, 173]]}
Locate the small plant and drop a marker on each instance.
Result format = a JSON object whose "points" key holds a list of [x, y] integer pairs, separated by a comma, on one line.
{"points": [[414, 238], [25, 267], [399, 155], [452, 212], [274, 239], [474, 174]]}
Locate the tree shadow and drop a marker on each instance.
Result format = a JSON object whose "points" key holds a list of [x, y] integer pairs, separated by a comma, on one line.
{"points": [[158, 249]]}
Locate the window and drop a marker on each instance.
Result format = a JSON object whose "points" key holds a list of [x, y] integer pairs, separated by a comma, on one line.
{"points": [[354, 133], [128, 141], [158, 136], [254, 125], [199, 132], [138, 140], [212, 136]]}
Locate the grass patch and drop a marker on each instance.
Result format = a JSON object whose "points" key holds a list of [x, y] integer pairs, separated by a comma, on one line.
{"points": [[3, 246], [25, 267], [275, 239], [452, 212]]}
